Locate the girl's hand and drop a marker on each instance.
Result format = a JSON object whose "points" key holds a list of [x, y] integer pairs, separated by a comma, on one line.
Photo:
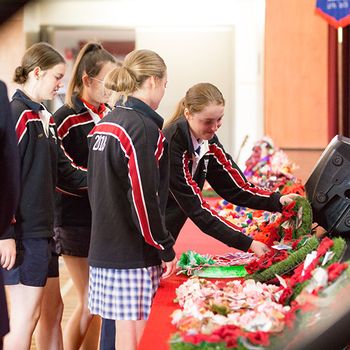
{"points": [[169, 267], [259, 248], [288, 198], [7, 253]]}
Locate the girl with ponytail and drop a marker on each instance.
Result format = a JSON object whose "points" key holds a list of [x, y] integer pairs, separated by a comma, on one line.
{"points": [[196, 155], [85, 105], [128, 188]]}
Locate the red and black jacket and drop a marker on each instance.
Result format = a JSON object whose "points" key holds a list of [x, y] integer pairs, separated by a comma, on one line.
{"points": [[218, 168], [128, 188], [73, 126], [42, 161]]}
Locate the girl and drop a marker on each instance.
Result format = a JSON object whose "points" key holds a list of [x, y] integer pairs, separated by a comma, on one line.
{"points": [[196, 155], [9, 178], [85, 105], [41, 158], [128, 187]]}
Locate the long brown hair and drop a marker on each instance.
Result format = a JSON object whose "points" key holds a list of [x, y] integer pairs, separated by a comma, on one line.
{"points": [[90, 61], [196, 99]]}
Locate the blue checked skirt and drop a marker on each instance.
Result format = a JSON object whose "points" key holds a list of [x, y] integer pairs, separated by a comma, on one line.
{"points": [[123, 294]]}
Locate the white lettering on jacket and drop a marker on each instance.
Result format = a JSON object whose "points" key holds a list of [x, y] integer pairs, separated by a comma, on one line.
{"points": [[100, 143]]}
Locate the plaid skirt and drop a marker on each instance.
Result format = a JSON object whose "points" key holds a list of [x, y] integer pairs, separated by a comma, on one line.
{"points": [[123, 294]]}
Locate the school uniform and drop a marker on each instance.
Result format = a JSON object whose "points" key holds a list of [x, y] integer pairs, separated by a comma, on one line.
{"points": [[42, 163], [73, 213], [191, 163], [128, 188], [189, 170], [9, 178]]}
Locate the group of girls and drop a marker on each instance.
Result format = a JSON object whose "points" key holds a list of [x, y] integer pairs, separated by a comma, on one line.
{"points": [[116, 238], [53, 153]]}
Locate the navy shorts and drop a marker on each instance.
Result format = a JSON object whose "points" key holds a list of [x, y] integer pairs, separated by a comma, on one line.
{"points": [[73, 241], [53, 266], [32, 263]]}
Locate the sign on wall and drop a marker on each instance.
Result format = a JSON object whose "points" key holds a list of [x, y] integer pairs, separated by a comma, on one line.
{"points": [[335, 12]]}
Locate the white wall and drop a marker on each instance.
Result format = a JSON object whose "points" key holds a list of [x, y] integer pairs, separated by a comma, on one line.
{"points": [[244, 17], [193, 55]]}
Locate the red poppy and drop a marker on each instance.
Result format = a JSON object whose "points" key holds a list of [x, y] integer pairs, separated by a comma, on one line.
{"points": [[259, 338], [288, 234], [229, 334], [287, 293], [335, 270]]}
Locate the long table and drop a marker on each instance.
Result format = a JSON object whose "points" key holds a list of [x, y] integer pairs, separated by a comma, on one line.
{"points": [[159, 327], [329, 332]]}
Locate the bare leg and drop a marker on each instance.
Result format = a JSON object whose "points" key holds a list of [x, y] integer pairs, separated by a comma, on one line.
{"points": [[140, 327], [78, 324], [25, 303], [129, 334], [48, 332], [92, 336]]}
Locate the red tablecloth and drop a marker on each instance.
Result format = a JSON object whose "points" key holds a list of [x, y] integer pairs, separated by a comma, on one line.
{"points": [[159, 327]]}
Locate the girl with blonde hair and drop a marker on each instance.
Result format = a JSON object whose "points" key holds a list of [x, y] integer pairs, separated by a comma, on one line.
{"points": [[128, 188], [196, 155]]}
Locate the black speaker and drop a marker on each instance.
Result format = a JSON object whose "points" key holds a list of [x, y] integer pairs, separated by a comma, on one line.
{"points": [[328, 188]]}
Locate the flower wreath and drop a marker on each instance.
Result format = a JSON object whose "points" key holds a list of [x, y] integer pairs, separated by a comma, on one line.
{"points": [[295, 221], [282, 267], [301, 276]]}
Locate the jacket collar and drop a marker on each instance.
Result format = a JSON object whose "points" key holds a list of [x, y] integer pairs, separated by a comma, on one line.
{"points": [[79, 106], [21, 96], [142, 107]]}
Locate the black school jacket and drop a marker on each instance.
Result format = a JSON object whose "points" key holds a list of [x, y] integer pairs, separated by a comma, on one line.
{"points": [[73, 126], [128, 176], [41, 158], [9, 163], [218, 168]]}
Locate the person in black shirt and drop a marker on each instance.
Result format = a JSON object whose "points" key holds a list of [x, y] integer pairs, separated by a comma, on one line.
{"points": [[42, 163], [9, 178], [84, 107], [196, 155], [128, 188], [193, 126]]}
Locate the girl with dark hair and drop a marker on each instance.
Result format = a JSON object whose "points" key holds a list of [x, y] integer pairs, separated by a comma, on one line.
{"points": [[42, 164]]}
